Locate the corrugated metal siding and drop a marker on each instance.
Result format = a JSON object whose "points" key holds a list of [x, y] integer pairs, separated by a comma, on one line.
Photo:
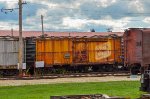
{"points": [[130, 47], [107, 50], [8, 52], [57, 52], [118, 50], [146, 48], [66, 54], [44, 53], [137, 47], [54, 51], [97, 50], [100, 52], [112, 49], [80, 51], [91, 51], [62, 51]]}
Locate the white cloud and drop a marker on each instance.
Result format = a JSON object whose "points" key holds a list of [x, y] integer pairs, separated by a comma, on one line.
{"points": [[136, 5], [77, 14], [32, 20], [74, 23], [10, 3], [115, 25], [8, 25], [42, 12], [105, 3], [81, 23], [146, 20]]}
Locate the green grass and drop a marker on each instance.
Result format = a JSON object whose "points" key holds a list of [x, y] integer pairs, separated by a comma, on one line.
{"points": [[121, 88]]}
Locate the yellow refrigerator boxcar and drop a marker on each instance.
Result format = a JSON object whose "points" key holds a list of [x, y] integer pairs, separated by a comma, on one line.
{"points": [[83, 50]]}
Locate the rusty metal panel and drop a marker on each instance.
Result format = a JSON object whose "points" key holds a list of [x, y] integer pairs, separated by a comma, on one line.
{"points": [[112, 50], [105, 51], [54, 51], [60, 51], [99, 52], [8, 52], [133, 46], [66, 51], [117, 49], [80, 51], [44, 51], [146, 48], [57, 52], [91, 51], [138, 47]]}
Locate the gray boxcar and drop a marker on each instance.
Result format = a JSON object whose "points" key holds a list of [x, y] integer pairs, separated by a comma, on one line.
{"points": [[9, 52]]}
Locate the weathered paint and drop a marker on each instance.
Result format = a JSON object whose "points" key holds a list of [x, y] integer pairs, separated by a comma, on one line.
{"points": [[54, 51], [57, 34], [146, 47], [107, 51], [80, 51], [63, 51], [137, 46], [8, 52], [133, 49]]}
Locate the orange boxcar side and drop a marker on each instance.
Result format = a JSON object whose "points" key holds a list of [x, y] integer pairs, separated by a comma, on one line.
{"points": [[104, 50], [62, 51], [54, 51], [80, 51]]}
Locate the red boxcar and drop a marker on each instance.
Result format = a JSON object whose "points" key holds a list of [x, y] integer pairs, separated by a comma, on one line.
{"points": [[137, 48]]}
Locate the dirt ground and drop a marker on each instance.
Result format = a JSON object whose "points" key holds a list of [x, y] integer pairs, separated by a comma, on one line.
{"points": [[66, 80]]}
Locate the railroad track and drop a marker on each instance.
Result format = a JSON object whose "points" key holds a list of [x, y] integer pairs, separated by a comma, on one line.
{"points": [[70, 75], [96, 96], [92, 74]]}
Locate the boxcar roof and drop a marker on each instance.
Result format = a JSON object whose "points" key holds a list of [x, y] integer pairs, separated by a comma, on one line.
{"points": [[57, 34], [142, 29]]}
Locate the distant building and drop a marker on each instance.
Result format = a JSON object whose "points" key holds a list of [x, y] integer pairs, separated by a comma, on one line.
{"points": [[57, 34]]}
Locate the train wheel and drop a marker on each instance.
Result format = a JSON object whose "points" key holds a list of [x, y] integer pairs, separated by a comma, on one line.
{"points": [[134, 70], [1, 73]]}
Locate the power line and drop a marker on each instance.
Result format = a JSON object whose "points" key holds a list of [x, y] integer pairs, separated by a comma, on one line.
{"points": [[99, 12], [5, 10], [20, 3]]}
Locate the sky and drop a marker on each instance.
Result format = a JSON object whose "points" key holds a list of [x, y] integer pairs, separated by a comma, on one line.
{"points": [[77, 15]]}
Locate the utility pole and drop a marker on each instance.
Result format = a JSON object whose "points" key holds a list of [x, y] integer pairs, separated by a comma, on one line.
{"points": [[20, 39], [20, 3], [42, 25], [12, 32]]}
